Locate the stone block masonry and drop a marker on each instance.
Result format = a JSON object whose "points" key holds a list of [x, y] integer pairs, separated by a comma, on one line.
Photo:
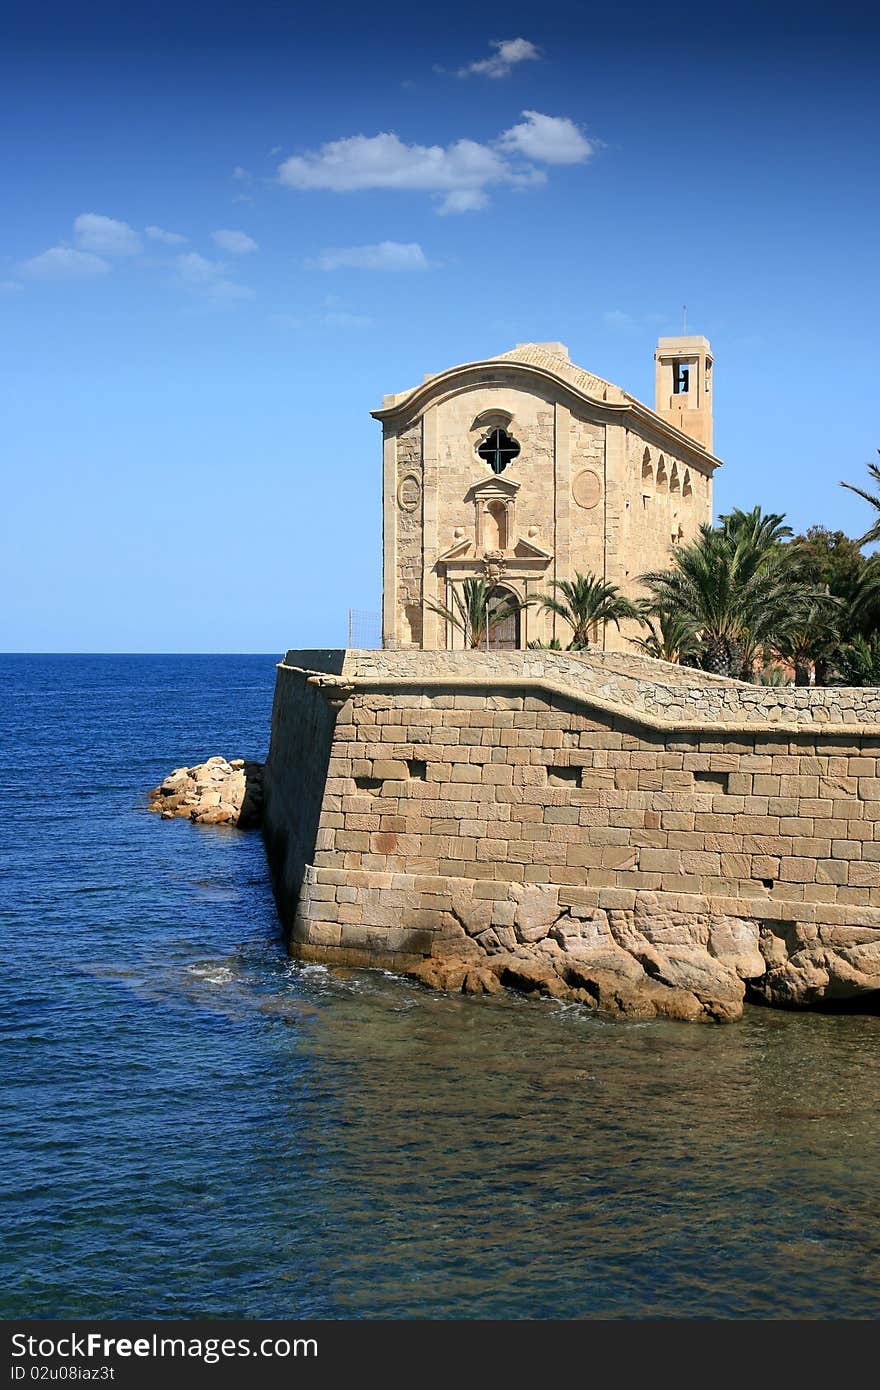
{"points": [[640, 837]]}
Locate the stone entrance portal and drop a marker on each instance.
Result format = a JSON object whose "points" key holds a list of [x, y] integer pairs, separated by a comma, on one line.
{"points": [[506, 636]]}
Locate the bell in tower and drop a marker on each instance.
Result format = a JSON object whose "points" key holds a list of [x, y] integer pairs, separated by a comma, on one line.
{"points": [[684, 386]]}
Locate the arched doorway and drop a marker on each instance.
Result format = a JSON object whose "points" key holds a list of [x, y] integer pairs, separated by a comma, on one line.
{"points": [[505, 636]]}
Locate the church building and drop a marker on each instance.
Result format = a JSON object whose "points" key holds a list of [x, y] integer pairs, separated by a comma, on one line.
{"points": [[525, 468]]}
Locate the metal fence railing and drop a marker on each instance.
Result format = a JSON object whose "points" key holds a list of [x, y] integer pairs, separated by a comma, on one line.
{"points": [[364, 630]]}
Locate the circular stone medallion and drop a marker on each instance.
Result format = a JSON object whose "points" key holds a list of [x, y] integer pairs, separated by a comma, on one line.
{"points": [[409, 493], [586, 488]]}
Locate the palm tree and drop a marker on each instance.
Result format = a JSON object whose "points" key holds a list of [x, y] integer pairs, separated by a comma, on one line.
{"points": [[585, 602], [859, 661], [773, 675], [671, 635], [811, 637], [863, 600], [759, 530], [873, 498], [476, 610], [737, 586]]}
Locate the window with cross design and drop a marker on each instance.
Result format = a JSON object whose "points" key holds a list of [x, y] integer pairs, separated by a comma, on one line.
{"points": [[498, 449]]}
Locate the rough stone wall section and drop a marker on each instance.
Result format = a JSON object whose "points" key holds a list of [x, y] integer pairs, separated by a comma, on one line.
{"points": [[485, 805], [658, 692], [295, 789], [409, 530], [587, 522]]}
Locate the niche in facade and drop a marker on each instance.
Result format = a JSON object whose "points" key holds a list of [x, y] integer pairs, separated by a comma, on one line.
{"points": [[495, 526], [494, 514]]}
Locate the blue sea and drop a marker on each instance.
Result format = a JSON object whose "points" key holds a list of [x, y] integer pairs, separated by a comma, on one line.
{"points": [[194, 1126]]}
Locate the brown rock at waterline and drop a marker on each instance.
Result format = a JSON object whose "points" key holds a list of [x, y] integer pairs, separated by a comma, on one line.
{"points": [[215, 792], [606, 978]]}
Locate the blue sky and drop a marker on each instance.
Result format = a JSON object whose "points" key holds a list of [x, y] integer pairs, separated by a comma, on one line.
{"points": [[229, 230]]}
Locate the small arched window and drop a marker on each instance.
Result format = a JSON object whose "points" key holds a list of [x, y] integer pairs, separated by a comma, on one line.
{"points": [[498, 449]]}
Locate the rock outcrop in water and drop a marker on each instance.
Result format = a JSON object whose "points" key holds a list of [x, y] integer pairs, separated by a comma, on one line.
{"points": [[215, 792], [647, 963], [809, 966], [632, 964]]}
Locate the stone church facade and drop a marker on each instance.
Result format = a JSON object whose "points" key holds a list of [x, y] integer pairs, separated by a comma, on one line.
{"points": [[525, 468]]}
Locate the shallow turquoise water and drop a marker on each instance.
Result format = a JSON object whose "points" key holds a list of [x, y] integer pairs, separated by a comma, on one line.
{"points": [[193, 1125]]}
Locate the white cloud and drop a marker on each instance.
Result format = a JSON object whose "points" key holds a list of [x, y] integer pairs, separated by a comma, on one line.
{"points": [[228, 292], [208, 278], [384, 161], [9, 286], [507, 53], [239, 172], [63, 263], [464, 200], [167, 238], [196, 269], [385, 255], [458, 175], [105, 236], [548, 139], [236, 243]]}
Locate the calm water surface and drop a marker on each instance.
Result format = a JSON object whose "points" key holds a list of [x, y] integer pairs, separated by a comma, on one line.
{"points": [[194, 1126]]}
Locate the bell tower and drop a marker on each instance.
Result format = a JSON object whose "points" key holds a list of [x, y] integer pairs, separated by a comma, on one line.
{"points": [[684, 386]]}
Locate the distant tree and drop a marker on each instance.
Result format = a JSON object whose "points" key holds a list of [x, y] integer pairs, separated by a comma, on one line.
{"points": [[830, 560], [586, 602], [833, 561]]}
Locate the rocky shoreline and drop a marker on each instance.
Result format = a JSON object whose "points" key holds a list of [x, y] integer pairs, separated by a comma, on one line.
{"points": [[215, 792], [618, 961], [647, 962]]}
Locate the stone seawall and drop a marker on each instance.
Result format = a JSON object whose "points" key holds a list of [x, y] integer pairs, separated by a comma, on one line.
{"points": [[607, 828], [295, 779]]}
